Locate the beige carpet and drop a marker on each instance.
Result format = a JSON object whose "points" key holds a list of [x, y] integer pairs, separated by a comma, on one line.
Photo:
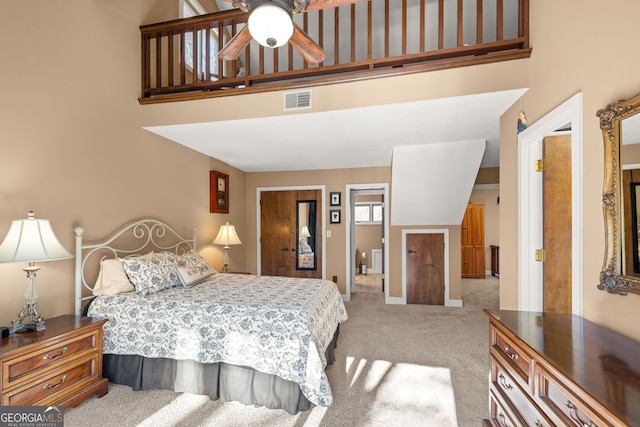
{"points": [[397, 366]]}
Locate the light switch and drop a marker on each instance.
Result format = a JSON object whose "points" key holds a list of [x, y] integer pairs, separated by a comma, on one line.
{"points": [[328, 233]]}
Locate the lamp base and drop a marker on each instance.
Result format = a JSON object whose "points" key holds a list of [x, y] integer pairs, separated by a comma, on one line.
{"points": [[28, 320]]}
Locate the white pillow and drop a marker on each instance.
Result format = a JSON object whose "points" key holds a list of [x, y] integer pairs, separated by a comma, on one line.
{"points": [[112, 279]]}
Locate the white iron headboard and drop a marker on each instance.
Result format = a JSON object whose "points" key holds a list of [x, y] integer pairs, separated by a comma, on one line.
{"points": [[137, 238]]}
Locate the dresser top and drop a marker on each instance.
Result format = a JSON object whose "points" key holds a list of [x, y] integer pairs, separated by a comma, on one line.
{"points": [[55, 328], [595, 358]]}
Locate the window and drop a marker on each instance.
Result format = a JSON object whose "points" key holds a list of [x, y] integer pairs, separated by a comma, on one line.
{"points": [[193, 8], [368, 213]]}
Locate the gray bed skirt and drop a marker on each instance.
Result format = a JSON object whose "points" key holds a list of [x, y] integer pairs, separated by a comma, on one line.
{"points": [[216, 380]]}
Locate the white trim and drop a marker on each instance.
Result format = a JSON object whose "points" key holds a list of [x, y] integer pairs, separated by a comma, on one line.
{"points": [[447, 302], [373, 188], [530, 278], [631, 166], [259, 190]]}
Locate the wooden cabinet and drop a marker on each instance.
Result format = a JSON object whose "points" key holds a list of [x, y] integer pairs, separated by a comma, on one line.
{"points": [[472, 243], [553, 369], [61, 365]]}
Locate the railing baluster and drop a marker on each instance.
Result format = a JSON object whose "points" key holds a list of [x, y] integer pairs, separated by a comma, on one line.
{"points": [[353, 32], [305, 27], [423, 11], [460, 24], [336, 36], [158, 61], [369, 31], [479, 22], [386, 28], [499, 20], [170, 58], [404, 27], [321, 30], [146, 62], [182, 64], [440, 24]]}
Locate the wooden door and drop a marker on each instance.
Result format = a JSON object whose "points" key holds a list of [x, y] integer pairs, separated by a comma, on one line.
{"points": [[557, 237], [425, 268], [472, 241], [278, 237], [277, 210]]}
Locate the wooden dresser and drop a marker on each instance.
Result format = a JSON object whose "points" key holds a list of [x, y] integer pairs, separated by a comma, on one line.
{"points": [[549, 369], [61, 365]]}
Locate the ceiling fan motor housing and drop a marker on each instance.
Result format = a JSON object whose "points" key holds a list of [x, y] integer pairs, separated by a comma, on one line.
{"points": [[270, 21]]}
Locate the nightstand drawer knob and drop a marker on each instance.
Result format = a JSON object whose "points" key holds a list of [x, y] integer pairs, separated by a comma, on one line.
{"points": [[49, 356], [48, 386]]}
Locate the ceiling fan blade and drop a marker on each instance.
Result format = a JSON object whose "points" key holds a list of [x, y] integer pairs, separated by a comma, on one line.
{"points": [[231, 50], [309, 49], [324, 4]]}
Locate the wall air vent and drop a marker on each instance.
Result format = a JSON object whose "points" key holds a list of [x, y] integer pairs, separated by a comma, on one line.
{"points": [[297, 100]]}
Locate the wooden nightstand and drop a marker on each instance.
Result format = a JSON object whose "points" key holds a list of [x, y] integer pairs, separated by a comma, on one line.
{"points": [[61, 365]]}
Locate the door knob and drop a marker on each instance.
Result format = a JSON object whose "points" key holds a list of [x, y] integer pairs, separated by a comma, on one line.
{"points": [[411, 252], [285, 249]]}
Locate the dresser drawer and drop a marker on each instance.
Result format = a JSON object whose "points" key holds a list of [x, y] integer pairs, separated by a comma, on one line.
{"points": [[25, 367], [513, 357], [508, 390], [58, 383], [500, 413], [561, 404]]}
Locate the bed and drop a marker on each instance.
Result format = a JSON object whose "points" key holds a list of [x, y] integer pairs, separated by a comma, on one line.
{"points": [[175, 323]]}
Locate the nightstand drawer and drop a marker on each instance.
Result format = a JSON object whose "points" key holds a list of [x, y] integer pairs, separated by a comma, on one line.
{"points": [[17, 370], [56, 385]]}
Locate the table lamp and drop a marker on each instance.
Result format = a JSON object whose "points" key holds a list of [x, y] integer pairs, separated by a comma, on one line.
{"points": [[227, 236], [31, 240]]}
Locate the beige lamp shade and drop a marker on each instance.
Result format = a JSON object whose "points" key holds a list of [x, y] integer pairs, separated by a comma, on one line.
{"points": [[31, 240], [227, 236]]}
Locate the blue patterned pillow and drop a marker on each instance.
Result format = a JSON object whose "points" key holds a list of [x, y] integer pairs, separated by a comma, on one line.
{"points": [[151, 275]]}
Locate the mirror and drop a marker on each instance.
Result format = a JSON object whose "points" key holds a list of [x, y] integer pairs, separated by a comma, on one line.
{"points": [[306, 235], [620, 124]]}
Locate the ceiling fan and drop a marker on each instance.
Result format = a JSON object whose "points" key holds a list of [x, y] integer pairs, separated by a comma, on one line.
{"points": [[271, 24]]}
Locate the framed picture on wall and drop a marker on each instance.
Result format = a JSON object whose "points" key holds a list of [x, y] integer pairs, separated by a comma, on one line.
{"points": [[218, 192], [334, 198], [334, 216]]}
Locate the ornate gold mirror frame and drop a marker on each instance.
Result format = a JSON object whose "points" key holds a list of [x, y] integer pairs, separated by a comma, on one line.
{"points": [[612, 278]]}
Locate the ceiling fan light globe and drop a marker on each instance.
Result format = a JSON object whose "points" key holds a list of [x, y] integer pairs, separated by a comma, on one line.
{"points": [[271, 24]]}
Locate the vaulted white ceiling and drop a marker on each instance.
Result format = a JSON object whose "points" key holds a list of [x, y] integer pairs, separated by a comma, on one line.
{"points": [[352, 138]]}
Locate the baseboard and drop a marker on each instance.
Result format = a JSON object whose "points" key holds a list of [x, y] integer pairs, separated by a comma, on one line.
{"points": [[453, 303], [394, 300]]}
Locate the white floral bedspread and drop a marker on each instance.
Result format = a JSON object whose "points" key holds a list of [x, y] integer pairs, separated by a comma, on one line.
{"points": [[275, 325]]}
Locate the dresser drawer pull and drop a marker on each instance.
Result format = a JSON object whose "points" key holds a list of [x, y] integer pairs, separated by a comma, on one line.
{"points": [[573, 413], [503, 420], [48, 356], [48, 386], [503, 382], [510, 353], [538, 423]]}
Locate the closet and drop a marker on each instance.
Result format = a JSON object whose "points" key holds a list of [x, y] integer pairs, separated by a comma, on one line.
{"points": [[472, 243], [290, 233]]}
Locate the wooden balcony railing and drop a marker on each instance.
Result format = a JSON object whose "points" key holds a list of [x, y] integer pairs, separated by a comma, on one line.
{"points": [[364, 40]]}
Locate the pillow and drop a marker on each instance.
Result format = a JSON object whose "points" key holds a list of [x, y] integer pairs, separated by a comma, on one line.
{"points": [[192, 268], [112, 279], [151, 275], [306, 248]]}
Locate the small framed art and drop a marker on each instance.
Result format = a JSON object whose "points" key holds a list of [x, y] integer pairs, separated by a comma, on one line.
{"points": [[334, 198], [219, 192], [334, 216]]}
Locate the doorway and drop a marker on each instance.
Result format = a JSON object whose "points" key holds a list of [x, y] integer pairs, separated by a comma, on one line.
{"points": [[566, 118], [367, 194]]}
